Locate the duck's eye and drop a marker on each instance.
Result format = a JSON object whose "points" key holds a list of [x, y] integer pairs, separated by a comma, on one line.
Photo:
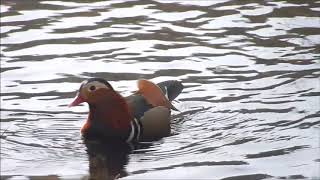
{"points": [[92, 88]]}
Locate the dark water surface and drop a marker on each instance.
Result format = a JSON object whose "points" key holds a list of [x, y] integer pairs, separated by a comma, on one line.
{"points": [[250, 108]]}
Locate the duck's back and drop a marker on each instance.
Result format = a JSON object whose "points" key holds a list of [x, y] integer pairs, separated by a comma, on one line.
{"points": [[139, 104]]}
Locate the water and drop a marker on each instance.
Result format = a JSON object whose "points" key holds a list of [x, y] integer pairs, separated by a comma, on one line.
{"points": [[250, 107]]}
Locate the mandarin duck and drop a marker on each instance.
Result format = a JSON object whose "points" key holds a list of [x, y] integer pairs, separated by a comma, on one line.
{"points": [[142, 116]]}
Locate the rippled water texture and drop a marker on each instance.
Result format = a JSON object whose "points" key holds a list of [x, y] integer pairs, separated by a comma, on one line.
{"points": [[250, 107]]}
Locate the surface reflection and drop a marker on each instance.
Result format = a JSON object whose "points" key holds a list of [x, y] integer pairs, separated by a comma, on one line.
{"points": [[107, 159]]}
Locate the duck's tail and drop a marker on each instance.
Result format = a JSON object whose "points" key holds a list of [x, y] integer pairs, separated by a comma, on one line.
{"points": [[171, 88]]}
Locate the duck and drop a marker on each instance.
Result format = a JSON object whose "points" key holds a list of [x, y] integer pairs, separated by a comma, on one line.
{"points": [[142, 116]]}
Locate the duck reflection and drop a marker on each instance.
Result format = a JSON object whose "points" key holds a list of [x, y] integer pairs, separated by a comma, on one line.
{"points": [[107, 160]]}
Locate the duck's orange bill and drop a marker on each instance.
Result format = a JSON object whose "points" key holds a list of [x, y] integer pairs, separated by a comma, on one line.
{"points": [[153, 94], [77, 100]]}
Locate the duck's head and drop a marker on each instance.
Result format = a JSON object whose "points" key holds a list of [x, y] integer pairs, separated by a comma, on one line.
{"points": [[93, 91]]}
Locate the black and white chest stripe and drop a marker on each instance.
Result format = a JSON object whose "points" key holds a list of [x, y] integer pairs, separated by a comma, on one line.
{"points": [[135, 130], [166, 93]]}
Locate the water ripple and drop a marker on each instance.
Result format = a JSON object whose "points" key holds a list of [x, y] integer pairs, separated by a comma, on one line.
{"points": [[250, 107]]}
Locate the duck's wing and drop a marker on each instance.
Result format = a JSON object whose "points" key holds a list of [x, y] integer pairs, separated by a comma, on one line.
{"points": [[155, 123], [150, 95], [138, 105], [150, 106]]}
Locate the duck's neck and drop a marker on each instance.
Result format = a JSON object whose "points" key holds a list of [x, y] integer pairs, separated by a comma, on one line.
{"points": [[112, 115]]}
